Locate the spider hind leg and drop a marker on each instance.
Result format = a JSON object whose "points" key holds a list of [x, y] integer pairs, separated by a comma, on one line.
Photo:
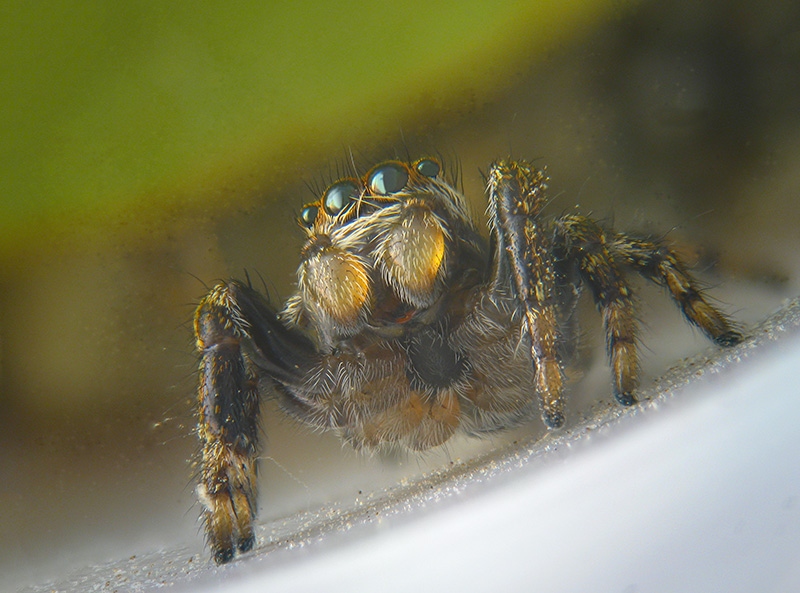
{"points": [[602, 258], [582, 242], [657, 262]]}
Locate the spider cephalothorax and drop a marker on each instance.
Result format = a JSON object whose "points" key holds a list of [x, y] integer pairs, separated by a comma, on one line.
{"points": [[407, 325], [381, 251]]}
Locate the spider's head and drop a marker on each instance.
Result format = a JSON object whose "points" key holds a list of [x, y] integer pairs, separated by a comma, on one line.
{"points": [[379, 248]]}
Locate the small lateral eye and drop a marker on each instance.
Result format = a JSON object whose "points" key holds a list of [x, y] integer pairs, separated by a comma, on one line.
{"points": [[388, 178], [338, 196], [308, 215], [428, 168]]}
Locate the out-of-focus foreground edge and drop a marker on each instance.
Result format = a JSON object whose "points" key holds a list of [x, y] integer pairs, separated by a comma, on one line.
{"points": [[696, 488]]}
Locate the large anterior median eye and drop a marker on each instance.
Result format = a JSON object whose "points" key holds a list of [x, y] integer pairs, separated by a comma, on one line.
{"points": [[338, 195], [388, 178]]}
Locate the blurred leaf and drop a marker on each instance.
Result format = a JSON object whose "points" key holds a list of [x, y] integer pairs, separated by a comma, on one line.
{"points": [[109, 107]]}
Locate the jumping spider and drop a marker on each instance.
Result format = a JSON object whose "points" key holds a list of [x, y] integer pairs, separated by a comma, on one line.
{"points": [[407, 325]]}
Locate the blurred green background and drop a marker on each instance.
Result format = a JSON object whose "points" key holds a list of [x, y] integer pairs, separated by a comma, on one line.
{"points": [[150, 149], [112, 109]]}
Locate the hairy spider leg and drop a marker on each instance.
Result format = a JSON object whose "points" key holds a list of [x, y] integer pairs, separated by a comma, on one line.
{"points": [[582, 241], [657, 262], [234, 327], [522, 247], [601, 258], [228, 410]]}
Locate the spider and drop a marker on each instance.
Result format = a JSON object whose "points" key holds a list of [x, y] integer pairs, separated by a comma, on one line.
{"points": [[407, 325]]}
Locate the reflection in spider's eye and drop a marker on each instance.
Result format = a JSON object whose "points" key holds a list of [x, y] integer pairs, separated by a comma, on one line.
{"points": [[338, 196], [308, 215], [428, 168], [389, 178]]}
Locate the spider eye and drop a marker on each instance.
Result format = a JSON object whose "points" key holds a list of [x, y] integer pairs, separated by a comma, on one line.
{"points": [[338, 196], [428, 168], [308, 215], [389, 178]]}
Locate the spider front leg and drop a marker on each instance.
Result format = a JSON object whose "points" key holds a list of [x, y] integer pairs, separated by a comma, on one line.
{"points": [[522, 265], [234, 325]]}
